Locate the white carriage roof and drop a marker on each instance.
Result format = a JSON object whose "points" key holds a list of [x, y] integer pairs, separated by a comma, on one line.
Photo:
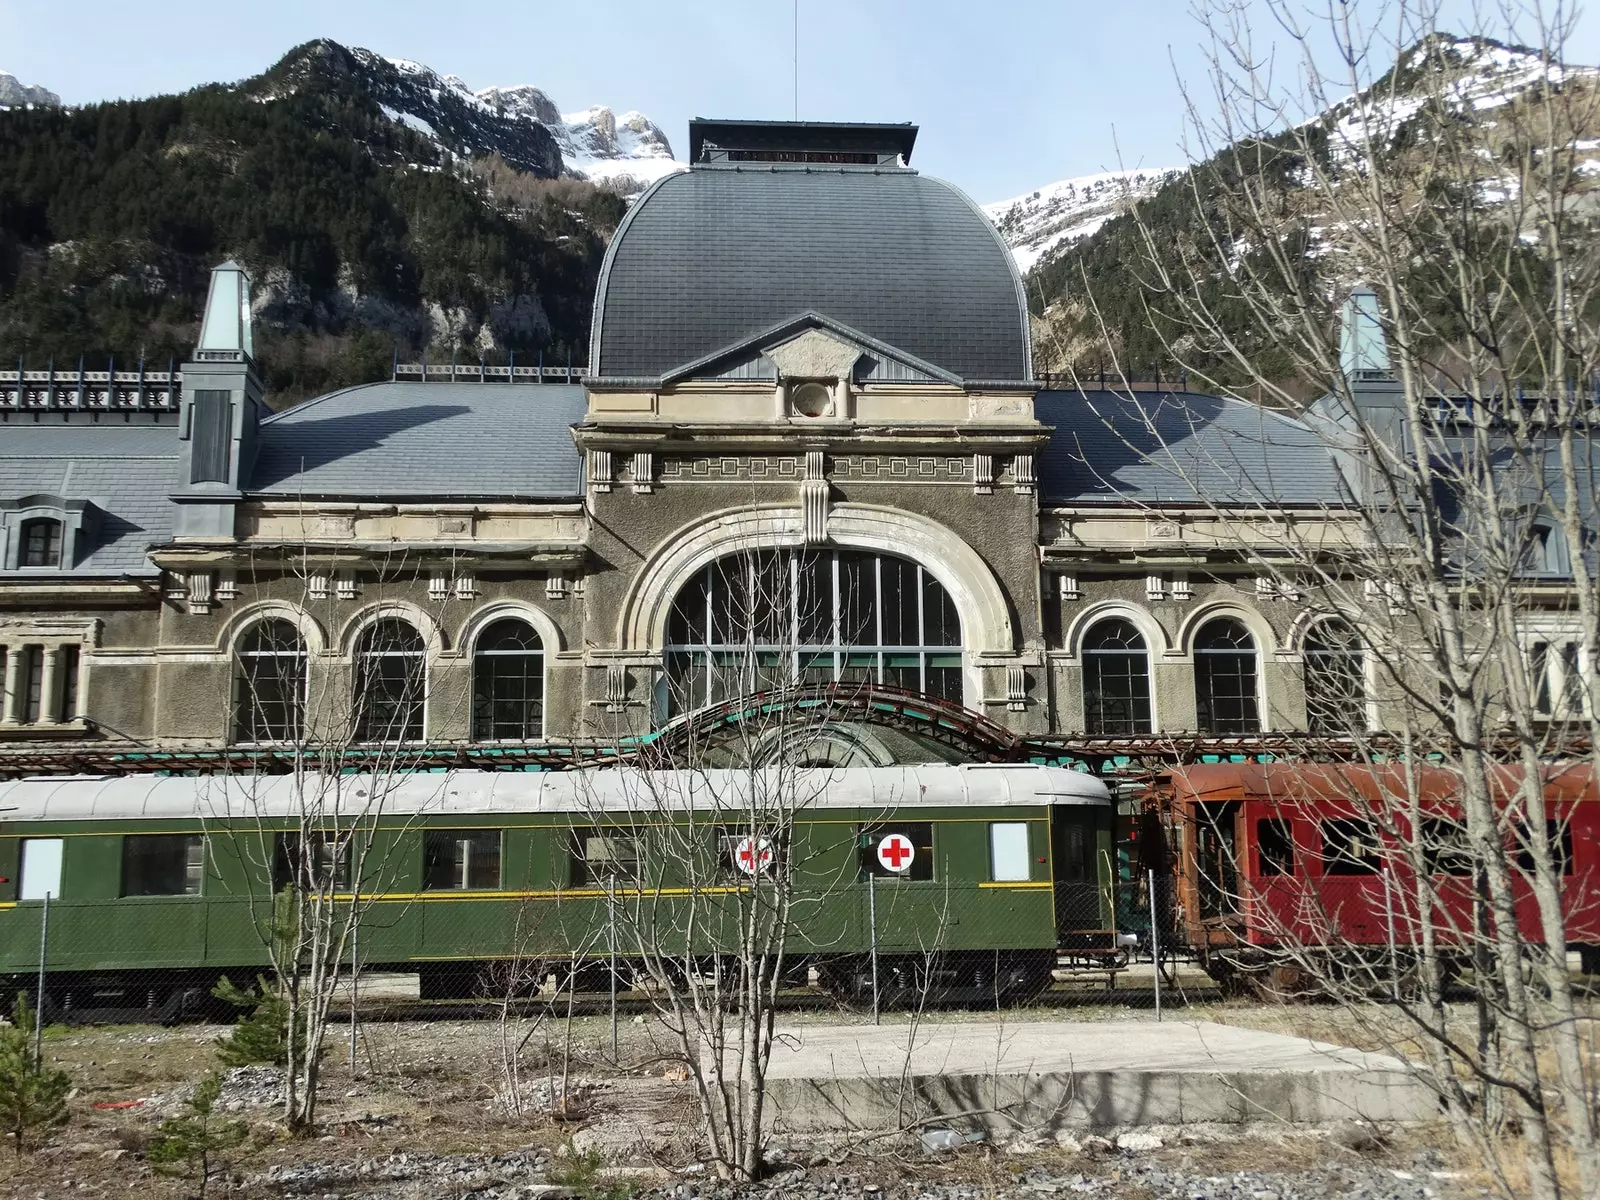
{"points": [[616, 791]]}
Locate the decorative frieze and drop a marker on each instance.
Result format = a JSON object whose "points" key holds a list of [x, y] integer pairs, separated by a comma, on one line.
{"points": [[897, 468], [455, 525], [1162, 530], [723, 467]]}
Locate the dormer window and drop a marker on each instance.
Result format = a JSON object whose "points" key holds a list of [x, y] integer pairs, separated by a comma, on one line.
{"points": [[41, 543], [43, 533], [1544, 553]]}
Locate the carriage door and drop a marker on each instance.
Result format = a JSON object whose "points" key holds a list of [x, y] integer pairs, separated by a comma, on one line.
{"points": [[1072, 854], [1215, 858]]}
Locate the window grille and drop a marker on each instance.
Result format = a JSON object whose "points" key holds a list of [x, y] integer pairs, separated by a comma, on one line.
{"points": [[1335, 677], [754, 622], [1225, 678], [270, 684], [1116, 679], [508, 683], [391, 683]]}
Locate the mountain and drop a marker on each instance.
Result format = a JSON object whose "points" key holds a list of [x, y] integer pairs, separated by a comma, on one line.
{"points": [[1038, 224], [381, 207], [1445, 101], [16, 94]]}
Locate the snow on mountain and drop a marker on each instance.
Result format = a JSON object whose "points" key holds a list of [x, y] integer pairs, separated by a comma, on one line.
{"points": [[16, 94], [629, 152], [1038, 224]]}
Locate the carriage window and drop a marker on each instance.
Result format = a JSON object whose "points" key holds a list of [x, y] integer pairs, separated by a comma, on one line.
{"points": [[738, 853], [1009, 860], [1558, 836], [1444, 847], [911, 852], [600, 854], [322, 865], [461, 859], [41, 868], [1349, 847], [1275, 841], [163, 864]]}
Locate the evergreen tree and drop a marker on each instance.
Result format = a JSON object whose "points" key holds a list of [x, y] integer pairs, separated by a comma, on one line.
{"points": [[190, 1145], [32, 1098]]}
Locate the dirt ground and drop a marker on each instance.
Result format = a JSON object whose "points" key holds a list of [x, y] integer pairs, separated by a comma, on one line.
{"points": [[425, 1113]]}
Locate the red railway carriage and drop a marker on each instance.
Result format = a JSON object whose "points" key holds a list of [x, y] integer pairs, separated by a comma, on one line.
{"points": [[1279, 857]]}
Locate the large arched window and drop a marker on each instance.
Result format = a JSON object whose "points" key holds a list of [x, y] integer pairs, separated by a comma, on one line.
{"points": [[1116, 679], [269, 687], [1225, 684], [390, 682], [754, 621], [508, 683], [1336, 690]]}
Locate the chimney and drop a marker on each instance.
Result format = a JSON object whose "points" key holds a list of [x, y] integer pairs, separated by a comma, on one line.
{"points": [[1376, 397], [221, 411]]}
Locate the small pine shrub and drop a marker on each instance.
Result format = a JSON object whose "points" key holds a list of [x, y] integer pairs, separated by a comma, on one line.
{"points": [[582, 1174], [192, 1145], [262, 1034], [31, 1097]]}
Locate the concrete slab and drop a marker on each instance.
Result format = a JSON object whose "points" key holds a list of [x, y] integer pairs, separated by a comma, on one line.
{"points": [[1051, 1075]]}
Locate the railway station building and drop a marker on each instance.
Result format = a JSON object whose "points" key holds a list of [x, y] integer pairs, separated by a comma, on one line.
{"points": [[808, 444]]}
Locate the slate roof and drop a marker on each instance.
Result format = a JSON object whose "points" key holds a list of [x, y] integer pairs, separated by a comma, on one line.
{"points": [[711, 256], [127, 472], [426, 439], [1178, 448]]}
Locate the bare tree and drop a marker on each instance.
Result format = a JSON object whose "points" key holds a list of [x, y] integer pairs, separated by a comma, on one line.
{"points": [[329, 788], [1456, 556], [700, 845]]}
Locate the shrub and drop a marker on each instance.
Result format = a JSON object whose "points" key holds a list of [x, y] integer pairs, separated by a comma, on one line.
{"points": [[190, 1145], [31, 1097]]}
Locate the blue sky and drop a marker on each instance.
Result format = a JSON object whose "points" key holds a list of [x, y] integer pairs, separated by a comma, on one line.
{"points": [[1010, 94]]}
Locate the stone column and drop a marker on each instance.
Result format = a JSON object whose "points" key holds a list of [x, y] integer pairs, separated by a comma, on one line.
{"points": [[50, 685], [11, 702]]}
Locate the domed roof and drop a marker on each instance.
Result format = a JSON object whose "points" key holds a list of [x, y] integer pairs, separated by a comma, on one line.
{"points": [[717, 254]]}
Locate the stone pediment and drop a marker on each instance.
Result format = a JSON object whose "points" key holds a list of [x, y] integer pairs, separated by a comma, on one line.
{"points": [[811, 346]]}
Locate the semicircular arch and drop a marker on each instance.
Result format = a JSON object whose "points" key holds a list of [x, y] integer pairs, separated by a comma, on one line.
{"points": [[1258, 626], [483, 617], [240, 622], [414, 615], [981, 602], [1155, 637]]}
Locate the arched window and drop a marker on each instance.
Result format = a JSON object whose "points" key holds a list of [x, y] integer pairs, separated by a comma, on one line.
{"points": [[508, 683], [1116, 679], [390, 682], [750, 622], [1225, 678], [269, 688], [1336, 688], [41, 543], [1544, 552]]}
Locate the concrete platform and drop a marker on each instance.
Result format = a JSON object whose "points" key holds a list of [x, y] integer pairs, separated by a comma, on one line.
{"points": [[1053, 1075]]}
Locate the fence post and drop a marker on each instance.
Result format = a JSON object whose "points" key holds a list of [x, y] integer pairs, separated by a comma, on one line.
{"points": [[38, 1011], [1155, 941], [611, 944], [355, 971], [872, 920]]}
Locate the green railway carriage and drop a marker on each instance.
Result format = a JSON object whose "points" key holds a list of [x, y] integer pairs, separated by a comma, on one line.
{"points": [[159, 885]]}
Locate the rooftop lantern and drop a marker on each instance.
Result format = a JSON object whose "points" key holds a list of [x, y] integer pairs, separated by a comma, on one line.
{"points": [[1362, 346], [225, 330]]}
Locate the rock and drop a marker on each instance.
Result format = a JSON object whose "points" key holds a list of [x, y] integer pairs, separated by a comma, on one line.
{"points": [[1138, 1143], [1096, 1144], [1357, 1135], [1065, 1140], [942, 1141]]}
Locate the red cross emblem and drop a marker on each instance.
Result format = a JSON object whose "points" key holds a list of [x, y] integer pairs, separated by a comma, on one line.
{"points": [[895, 852], [752, 855]]}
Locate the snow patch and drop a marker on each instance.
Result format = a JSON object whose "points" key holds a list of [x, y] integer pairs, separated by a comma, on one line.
{"points": [[1039, 224]]}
